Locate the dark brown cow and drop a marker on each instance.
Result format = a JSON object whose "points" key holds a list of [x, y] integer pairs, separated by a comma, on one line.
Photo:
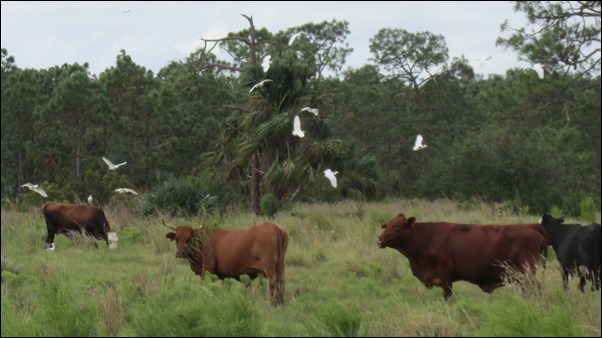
{"points": [[68, 219], [259, 249], [441, 253]]}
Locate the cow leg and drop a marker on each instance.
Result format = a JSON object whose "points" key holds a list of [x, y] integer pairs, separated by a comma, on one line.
{"points": [[565, 278], [51, 233], [274, 288], [447, 290]]}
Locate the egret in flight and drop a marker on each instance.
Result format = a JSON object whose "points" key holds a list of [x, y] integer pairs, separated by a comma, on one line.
{"points": [[292, 39], [330, 175], [539, 70], [314, 111], [90, 199], [36, 188], [123, 190], [260, 84], [297, 127], [418, 145], [266, 63], [111, 165]]}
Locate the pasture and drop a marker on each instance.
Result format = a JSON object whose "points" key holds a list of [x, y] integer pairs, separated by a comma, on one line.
{"points": [[338, 282]]}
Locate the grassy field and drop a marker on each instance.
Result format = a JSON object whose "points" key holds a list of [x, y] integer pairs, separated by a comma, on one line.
{"points": [[338, 282]]}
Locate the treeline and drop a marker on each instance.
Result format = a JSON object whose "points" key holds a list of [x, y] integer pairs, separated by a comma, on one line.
{"points": [[194, 136]]}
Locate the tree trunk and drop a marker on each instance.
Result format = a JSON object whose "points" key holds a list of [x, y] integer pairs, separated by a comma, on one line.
{"points": [[255, 193]]}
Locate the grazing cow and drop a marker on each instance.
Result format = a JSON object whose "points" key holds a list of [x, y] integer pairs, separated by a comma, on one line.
{"points": [[68, 219], [577, 248], [441, 253], [259, 249]]}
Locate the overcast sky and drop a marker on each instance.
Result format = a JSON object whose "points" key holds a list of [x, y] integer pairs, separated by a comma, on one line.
{"points": [[50, 33]]}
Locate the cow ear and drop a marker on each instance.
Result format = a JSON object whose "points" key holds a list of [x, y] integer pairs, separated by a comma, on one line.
{"points": [[170, 235], [410, 222]]}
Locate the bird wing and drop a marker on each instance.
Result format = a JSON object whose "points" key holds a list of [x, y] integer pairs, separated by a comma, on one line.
{"points": [[330, 176], [297, 127], [109, 163], [29, 185], [292, 39], [266, 63], [120, 164], [131, 191], [539, 69], [40, 191]]}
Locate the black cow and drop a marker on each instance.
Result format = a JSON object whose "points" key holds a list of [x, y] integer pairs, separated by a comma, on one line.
{"points": [[68, 219], [577, 248]]}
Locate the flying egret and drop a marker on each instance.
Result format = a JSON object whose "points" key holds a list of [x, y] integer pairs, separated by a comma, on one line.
{"points": [[111, 165], [125, 10], [418, 145], [122, 190], [292, 39], [90, 199], [539, 69], [36, 188], [330, 175], [314, 111], [266, 63], [482, 62], [260, 84], [297, 127]]}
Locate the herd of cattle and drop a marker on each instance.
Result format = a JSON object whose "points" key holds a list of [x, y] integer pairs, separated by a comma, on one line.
{"points": [[439, 253]]}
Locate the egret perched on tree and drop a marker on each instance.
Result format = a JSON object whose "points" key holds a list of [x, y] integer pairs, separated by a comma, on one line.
{"points": [[122, 190], [292, 39], [539, 70], [36, 188], [266, 63], [330, 175], [314, 111], [260, 84], [418, 145], [111, 165], [297, 127], [90, 199]]}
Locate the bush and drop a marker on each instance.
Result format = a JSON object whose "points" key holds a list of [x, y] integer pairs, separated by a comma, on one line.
{"points": [[184, 196], [269, 205]]}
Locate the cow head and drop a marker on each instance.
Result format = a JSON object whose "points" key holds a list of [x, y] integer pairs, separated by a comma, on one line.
{"points": [[395, 231], [550, 220], [182, 235]]}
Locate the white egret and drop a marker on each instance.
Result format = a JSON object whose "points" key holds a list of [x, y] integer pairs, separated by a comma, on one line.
{"points": [[122, 190], [314, 111], [90, 199], [418, 145], [260, 84], [297, 127], [125, 10], [292, 39], [330, 175], [36, 188], [539, 70], [111, 165], [266, 63]]}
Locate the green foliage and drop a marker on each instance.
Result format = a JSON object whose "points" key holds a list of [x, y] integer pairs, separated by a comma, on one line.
{"points": [[180, 196], [269, 205], [192, 312], [515, 317], [338, 320]]}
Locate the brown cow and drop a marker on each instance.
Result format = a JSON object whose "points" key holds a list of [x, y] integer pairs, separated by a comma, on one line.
{"points": [[68, 219], [441, 253], [259, 249]]}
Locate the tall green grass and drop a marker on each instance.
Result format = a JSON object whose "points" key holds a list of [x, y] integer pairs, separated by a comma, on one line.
{"points": [[338, 282]]}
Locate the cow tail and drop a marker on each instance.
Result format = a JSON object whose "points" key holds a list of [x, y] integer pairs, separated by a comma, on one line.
{"points": [[282, 246]]}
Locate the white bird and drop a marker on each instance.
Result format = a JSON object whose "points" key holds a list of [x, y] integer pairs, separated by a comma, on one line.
{"points": [[292, 39], [418, 145], [330, 175], [124, 10], [482, 62], [266, 63], [539, 69], [260, 84], [36, 188], [122, 190], [111, 165], [297, 127], [90, 199], [314, 111]]}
